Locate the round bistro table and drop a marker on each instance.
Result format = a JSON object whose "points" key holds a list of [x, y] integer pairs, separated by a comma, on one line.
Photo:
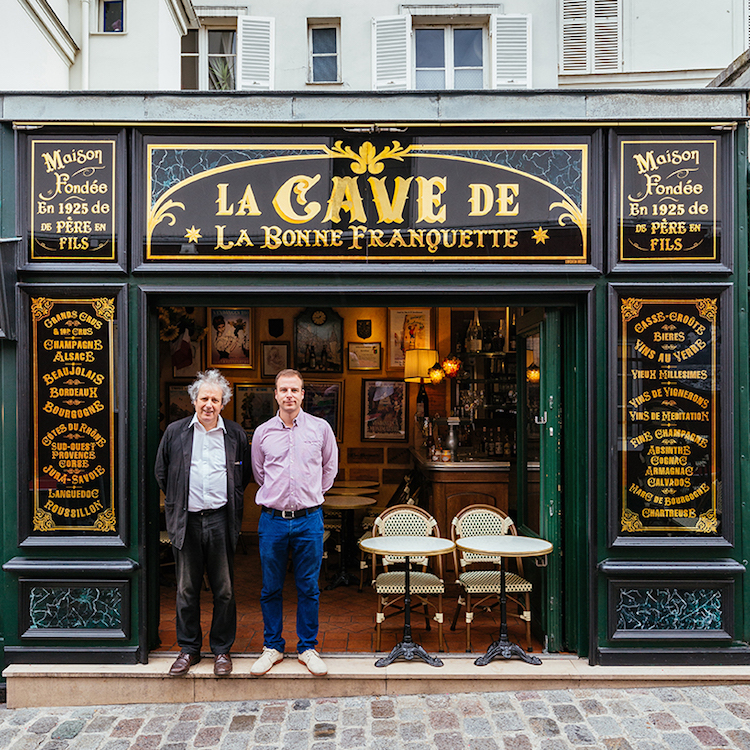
{"points": [[502, 546], [406, 547], [347, 504]]}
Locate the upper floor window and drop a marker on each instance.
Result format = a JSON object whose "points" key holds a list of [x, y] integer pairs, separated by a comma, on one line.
{"points": [[323, 43], [451, 57], [112, 15], [591, 33], [491, 51], [209, 57]]}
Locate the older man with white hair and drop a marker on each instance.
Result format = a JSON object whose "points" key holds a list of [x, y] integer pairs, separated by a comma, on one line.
{"points": [[203, 466]]}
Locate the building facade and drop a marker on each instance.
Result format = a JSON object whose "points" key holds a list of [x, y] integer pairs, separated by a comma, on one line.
{"points": [[331, 210]]}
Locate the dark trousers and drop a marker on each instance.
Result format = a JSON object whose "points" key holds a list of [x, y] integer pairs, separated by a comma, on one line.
{"points": [[208, 548]]}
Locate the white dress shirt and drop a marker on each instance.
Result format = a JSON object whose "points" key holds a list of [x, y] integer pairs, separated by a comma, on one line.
{"points": [[208, 467]]}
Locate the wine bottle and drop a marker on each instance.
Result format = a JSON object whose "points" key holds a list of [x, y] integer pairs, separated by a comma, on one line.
{"points": [[474, 334], [423, 404]]}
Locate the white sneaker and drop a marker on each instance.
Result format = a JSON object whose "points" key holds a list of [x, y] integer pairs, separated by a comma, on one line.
{"points": [[311, 659], [268, 658]]}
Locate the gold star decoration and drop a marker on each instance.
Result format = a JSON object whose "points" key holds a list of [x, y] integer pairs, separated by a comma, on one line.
{"points": [[193, 234], [540, 236]]}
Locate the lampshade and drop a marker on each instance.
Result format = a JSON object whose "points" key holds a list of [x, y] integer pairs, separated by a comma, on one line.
{"points": [[418, 363]]}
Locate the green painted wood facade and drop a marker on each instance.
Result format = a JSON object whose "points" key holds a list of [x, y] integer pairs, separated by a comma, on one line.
{"points": [[596, 561]]}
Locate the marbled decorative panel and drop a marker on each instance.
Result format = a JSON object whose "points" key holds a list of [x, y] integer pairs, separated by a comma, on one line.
{"points": [[75, 608], [669, 609]]}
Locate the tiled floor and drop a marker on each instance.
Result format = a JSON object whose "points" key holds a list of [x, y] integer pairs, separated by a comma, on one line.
{"points": [[346, 617]]}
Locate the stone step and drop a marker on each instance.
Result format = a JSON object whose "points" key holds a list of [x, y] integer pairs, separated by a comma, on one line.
{"points": [[349, 675]]}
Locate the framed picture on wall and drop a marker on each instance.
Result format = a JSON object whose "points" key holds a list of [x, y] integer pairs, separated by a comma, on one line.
{"points": [[183, 330], [365, 356], [325, 399], [318, 341], [274, 357], [230, 336], [384, 410], [253, 405], [408, 328], [179, 404]]}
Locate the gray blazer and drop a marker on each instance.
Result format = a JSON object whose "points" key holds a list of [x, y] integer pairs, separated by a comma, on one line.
{"points": [[173, 476]]}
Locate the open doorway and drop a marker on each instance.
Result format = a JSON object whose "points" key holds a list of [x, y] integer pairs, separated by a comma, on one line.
{"points": [[472, 417]]}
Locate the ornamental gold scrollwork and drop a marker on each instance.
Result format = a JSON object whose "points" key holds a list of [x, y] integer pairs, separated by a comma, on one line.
{"points": [[41, 308], [105, 308], [630, 308], [43, 521], [630, 521], [105, 521], [707, 523], [368, 159], [707, 308]]}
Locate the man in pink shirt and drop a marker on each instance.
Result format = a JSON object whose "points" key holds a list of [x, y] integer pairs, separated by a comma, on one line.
{"points": [[295, 460]]}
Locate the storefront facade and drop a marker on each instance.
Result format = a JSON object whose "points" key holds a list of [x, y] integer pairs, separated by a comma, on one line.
{"points": [[615, 246]]}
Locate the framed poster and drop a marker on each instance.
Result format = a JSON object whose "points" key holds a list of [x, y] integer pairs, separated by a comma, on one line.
{"points": [[326, 400], [179, 404], [230, 337], [365, 356], [318, 341], [253, 405], [183, 329], [274, 357], [384, 407], [408, 328]]}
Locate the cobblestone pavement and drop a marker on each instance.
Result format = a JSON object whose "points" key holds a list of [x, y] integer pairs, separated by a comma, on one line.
{"points": [[685, 718]]}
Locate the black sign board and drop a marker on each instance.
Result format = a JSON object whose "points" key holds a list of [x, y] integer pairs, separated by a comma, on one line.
{"points": [[669, 416], [368, 199], [73, 415], [72, 199], [668, 200]]}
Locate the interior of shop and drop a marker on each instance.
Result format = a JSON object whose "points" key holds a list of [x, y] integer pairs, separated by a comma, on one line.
{"points": [[426, 405]]}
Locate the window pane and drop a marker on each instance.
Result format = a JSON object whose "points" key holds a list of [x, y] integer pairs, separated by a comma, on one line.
{"points": [[323, 41], [467, 48], [430, 48], [221, 74], [468, 79], [221, 42], [190, 42], [430, 79], [190, 73], [113, 15], [324, 68]]}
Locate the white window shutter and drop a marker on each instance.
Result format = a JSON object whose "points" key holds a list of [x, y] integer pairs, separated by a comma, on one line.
{"points": [[574, 46], [391, 52], [255, 47], [511, 51], [606, 36]]}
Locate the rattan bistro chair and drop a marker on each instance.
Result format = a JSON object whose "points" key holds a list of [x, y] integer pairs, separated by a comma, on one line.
{"points": [[407, 520], [483, 584]]}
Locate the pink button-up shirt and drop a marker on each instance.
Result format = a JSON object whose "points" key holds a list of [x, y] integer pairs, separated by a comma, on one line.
{"points": [[295, 465]]}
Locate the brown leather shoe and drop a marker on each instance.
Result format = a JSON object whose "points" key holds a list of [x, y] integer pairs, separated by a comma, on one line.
{"points": [[222, 665], [182, 663]]}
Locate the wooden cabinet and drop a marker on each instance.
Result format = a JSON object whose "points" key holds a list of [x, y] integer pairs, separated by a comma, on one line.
{"points": [[454, 485]]}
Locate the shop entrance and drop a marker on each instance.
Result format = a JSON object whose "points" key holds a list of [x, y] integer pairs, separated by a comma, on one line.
{"points": [[500, 409]]}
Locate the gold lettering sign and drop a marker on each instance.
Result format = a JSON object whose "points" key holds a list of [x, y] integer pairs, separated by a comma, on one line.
{"points": [[669, 414], [368, 200], [73, 486], [668, 202], [72, 199]]}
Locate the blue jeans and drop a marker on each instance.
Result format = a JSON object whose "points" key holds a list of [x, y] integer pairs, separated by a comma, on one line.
{"points": [[303, 539], [206, 547]]}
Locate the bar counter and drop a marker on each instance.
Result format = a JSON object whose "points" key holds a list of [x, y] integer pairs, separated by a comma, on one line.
{"points": [[453, 485]]}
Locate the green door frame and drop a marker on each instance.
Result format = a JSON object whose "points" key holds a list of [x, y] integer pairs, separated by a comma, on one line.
{"points": [[557, 347]]}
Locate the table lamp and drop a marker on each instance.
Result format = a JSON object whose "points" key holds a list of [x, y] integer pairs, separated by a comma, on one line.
{"points": [[417, 365]]}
